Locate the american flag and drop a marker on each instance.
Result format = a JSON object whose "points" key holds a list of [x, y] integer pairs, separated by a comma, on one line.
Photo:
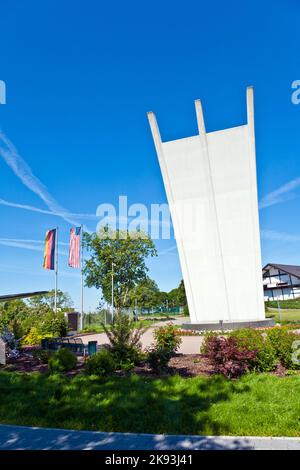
{"points": [[74, 250]]}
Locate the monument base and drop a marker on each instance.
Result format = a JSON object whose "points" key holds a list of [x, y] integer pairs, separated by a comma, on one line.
{"points": [[225, 325]]}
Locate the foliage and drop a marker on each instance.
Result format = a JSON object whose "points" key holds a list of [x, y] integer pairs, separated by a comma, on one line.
{"points": [[228, 357], [165, 346], [127, 251], [12, 314], [186, 312], [124, 336], [53, 324], [285, 304], [33, 338], [165, 338], [42, 355], [62, 360], [64, 301], [145, 294], [20, 317], [101, 363], [158, 358], [177, 296], [282, 341], [253, 340]]}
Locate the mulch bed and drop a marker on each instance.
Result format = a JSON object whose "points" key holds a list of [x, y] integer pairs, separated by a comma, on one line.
{"points": [[25, 364], [185, 365]]}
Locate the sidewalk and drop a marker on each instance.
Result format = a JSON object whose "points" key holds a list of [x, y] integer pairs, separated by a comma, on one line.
{"points": [[21, 438]]}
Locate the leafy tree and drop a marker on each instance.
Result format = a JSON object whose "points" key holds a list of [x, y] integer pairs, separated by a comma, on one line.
{"points": [[181, 295], [64, 301], [145, 295], [13, 313], [177, 297], [163, 299], [127, 251]]}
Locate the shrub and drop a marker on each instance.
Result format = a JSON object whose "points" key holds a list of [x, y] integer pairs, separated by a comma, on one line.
{"points": [[166, 338], [228, 357], [282, 341], [166, 344], [42, 355], [62, 360], [253, 340], [33, 338], [158, 358], [124, 337], [53, 324], [101, 363], [206, 340]]}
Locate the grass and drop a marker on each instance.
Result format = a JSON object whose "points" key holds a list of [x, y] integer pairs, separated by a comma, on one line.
{"points": [[262, 404], [286, 315]]}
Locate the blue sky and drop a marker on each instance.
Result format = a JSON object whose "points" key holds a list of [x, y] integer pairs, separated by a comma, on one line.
{"points": [[80, 77]]}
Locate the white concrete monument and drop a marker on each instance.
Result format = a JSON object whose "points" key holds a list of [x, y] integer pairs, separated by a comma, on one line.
{"points": [[210, 182]]}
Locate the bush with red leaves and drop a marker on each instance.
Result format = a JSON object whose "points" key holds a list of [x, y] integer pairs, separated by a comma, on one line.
{"points": [[227, 357]]}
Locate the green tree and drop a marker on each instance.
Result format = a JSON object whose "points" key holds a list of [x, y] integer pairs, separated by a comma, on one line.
{"points": [[181, 295], [13, 314], [145, 295], [64, 301], [126, 251]]}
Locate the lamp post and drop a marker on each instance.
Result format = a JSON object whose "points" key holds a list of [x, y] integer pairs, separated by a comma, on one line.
{"points": [[112, 290], [279, 309]]}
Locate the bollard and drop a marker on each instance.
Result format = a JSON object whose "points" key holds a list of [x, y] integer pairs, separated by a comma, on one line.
{"points": [[92, 347]]}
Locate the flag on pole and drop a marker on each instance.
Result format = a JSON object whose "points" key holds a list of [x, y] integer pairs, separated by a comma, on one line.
{"points": [[49, 250], [74, 249]]}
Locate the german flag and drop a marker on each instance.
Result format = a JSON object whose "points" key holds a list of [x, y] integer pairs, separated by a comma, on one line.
{"points": [[49, 251]]}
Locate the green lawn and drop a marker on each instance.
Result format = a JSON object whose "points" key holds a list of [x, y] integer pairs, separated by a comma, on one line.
{"points": [[287, 315], [262, 404]]}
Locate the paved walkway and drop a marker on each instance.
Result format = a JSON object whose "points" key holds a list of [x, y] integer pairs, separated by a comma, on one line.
{"points": [[26, 438], [189, 345]]}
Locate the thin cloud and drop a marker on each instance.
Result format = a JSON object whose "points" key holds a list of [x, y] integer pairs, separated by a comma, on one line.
{"points": [[16, 205], [167, 250], [33, 245], [22, 170], [281, 194], [27, 240], [279, 236]]}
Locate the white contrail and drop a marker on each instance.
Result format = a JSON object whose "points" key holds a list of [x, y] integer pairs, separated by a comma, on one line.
{"points": [[16, 205], [26, 240], [22, 170], [280, 194], [14, 243]]}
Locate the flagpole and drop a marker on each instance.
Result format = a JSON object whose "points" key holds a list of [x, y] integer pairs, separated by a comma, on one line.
{"points": [[56, 270], [81, 263]]}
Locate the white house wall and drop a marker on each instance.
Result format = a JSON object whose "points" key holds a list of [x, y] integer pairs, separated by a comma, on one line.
{"points": [[210, 181]]}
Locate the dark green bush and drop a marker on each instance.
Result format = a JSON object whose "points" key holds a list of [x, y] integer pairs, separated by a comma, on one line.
{"points": [[124, 337], [101, 363], [62, 361], [253, 340], [282, 341], [42, 355], [158, 358]]}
